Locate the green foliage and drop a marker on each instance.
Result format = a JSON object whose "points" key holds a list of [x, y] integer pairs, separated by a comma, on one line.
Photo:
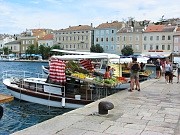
{"points": [[127, 50], [96, 48], [6, 50]]}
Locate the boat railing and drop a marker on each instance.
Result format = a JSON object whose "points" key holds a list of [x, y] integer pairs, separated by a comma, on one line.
{"points": [[21, 74]]}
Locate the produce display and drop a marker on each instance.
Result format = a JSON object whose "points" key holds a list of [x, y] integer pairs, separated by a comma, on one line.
{"points": [[75, 70]]}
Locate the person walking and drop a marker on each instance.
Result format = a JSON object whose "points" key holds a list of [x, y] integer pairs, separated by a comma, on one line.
{"points": [[178, 72], [168, 69], [134, 67], [158, 68]]}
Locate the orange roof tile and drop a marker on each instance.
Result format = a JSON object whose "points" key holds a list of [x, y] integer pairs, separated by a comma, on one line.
{"points": [[154, 28], [47, 37]]}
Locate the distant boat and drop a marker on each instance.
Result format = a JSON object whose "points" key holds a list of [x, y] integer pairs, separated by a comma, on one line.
{"points": [[9, 57]]}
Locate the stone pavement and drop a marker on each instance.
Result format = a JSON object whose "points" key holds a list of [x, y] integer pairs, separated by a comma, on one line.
{"points": [[155, 110]]}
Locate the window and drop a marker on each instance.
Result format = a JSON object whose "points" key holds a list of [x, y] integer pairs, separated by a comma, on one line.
{"points": [[107, 31], [70, 46], [137, 47], [145, 38], [163, 47], [70, 38], [130, 45], [151, 47], [157, 38], [86, 37], [86, 46], [23, 42], [59, 38], [112, 39], [151, 38], [118, 38], [112, 31], [63, 38], [130, 38], [157, 47], [107, 39], [101, 39], [66, 38], [169, 37], [107, 47], [163, 37], [32, 41], [82, 38], [96, 39], [169, 47], [176, 40], [15, 48], [66, 46], [124, 38], [137, 38], [112, 47], [123, 46]]}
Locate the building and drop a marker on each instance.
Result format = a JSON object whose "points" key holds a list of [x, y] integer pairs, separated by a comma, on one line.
{"points": [[27, 41], [47, 40], [75, 38], [105, 36], [14, 47], [130, 36], [158, 40]]}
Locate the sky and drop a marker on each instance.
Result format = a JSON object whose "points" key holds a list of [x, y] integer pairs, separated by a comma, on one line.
{"points": [[18, 15]]}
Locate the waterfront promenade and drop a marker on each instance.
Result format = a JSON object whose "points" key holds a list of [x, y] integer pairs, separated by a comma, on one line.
{"points": [[155, 110]]}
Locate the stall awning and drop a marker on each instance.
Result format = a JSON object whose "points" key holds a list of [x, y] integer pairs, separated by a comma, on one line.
{"points": [[156, 54]]}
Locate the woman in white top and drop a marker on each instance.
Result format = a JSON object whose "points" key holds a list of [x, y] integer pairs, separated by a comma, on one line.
{"points": [[168, 69]]}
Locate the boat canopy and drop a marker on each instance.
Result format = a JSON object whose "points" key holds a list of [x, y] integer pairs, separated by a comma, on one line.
{"points": [[98, 55]]}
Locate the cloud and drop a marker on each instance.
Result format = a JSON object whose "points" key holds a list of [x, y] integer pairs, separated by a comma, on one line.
{"points": [[18, 15]]}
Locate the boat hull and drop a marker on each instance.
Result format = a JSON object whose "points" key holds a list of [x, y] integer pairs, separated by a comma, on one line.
{"points": [[44, 98]]}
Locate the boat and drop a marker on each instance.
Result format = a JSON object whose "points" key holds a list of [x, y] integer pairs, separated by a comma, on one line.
{"points": [[67, 85], [7, 58]]}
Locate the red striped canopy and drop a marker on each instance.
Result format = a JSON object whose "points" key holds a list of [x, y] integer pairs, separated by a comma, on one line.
{"points": [[87, 64], [57, 71]]}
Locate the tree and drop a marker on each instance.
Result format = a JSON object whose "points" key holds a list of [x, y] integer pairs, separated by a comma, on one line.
{"points": [[96, 48], [41, 50], [6, 50], [127, 50], [31, 50]]}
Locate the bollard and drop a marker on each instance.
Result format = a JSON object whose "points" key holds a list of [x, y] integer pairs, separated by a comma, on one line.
{"points": [[104, 106], [1, 112]]}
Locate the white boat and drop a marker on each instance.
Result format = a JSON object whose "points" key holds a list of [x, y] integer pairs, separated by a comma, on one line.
{"points": [[9, 57], [38, 90]]}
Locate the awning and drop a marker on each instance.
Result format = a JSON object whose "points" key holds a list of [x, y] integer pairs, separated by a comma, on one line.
{"points": [[156, 54]]}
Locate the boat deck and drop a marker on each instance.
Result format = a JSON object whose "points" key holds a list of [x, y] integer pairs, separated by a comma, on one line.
{"points": [[5, 98]]}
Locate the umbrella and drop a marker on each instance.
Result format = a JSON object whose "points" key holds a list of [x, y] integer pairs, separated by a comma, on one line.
{"points": [[87, 64]]}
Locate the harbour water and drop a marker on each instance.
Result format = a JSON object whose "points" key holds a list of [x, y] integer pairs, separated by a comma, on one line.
{"points": [[19, 114]]}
